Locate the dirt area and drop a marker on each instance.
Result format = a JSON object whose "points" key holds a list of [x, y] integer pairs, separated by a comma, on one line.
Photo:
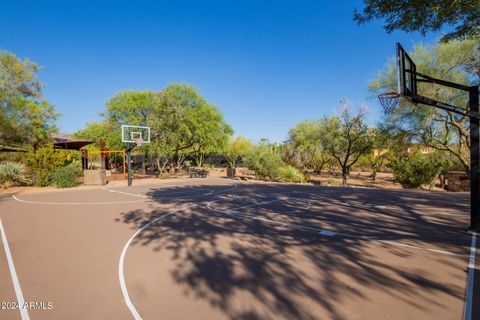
{"points": [[384, 180]]}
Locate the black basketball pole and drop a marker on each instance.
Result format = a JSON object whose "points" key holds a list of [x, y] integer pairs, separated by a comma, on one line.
{"points": [[129, 162], [474, 162]]}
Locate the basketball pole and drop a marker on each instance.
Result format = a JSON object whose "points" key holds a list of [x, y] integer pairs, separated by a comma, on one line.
{"points": [[474, 161], [129, 162]]}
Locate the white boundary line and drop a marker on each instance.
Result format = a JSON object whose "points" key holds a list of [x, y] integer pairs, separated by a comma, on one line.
{"points": [[75, 203], [116, 202], [16, 283], [467, 311]]}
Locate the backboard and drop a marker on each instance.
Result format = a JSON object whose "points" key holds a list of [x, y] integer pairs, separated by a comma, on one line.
{"points": [[135, 134], [407, 73]]}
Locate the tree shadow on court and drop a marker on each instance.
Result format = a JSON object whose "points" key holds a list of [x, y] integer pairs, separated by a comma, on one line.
{"points": [[268, 261]]}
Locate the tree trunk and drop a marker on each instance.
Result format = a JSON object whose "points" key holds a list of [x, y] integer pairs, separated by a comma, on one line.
{"points": [[345, 173], [442, 181]]}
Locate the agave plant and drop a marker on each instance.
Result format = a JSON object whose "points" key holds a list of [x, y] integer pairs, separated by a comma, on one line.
{"points": [[12, 173]]}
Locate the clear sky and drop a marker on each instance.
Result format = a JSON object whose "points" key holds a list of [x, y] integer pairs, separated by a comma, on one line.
{"points": [[266, 64]]}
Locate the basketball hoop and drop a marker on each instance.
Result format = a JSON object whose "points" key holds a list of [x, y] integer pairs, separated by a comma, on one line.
{"points": [[139, 142], [389, 101]]}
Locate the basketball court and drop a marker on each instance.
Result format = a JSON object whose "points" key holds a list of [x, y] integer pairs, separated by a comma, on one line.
{"points": [[221, 249]]}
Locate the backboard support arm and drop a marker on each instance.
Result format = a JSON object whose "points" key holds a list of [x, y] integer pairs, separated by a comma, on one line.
{"points": [[445, 106], [425, 78]]}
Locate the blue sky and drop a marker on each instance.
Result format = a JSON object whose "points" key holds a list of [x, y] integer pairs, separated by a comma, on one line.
{"points": [[266, 64]]}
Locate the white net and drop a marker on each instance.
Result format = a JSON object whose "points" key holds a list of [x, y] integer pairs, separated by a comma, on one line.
{"points": [[138, 142], [389, 101]]}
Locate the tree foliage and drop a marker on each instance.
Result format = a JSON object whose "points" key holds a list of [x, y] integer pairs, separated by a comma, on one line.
{"points": [[41, 162], [382, 149], [424, 16], [102, 130], [414, 169], [26, 118], [235, 149], [346, 138], [66, 176], [304, 146], [264, 162]]}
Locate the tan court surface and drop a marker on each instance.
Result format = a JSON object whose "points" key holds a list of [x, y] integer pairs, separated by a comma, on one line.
{"points": [[219, 249]]}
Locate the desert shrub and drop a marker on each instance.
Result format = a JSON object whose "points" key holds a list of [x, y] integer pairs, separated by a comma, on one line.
{"points": [[264, 162], [330, 182], [12, 173], [165, 175], [66, 176], [290, 174], [41, 163], [415, 169]]}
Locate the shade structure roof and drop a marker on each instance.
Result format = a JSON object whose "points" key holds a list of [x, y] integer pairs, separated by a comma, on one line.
{"points": [[63, 141]]}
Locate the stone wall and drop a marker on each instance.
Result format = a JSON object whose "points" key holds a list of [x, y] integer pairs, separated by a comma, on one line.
{"points": [[457, 181], [94, 177]]}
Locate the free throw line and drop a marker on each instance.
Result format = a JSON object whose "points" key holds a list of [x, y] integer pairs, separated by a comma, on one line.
{"points": [[467, 312], [13, 273], [320, 231]]}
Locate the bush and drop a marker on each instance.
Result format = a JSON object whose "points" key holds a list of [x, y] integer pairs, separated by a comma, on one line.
{"points": [[290, 174], [264, 162], [66, 176], [41, 163], [12, 173], [414, 170], [165, 175]]}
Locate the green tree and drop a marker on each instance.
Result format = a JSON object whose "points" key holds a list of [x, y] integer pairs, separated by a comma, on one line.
{"points": [[346, 138], [104, 130], [378, 156], [307, 148], [424, 16], [264, 162], [445, 131], [209, 132], [131, 107], [26, 118], [414, 169], [235, 149], [184, 123]]}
